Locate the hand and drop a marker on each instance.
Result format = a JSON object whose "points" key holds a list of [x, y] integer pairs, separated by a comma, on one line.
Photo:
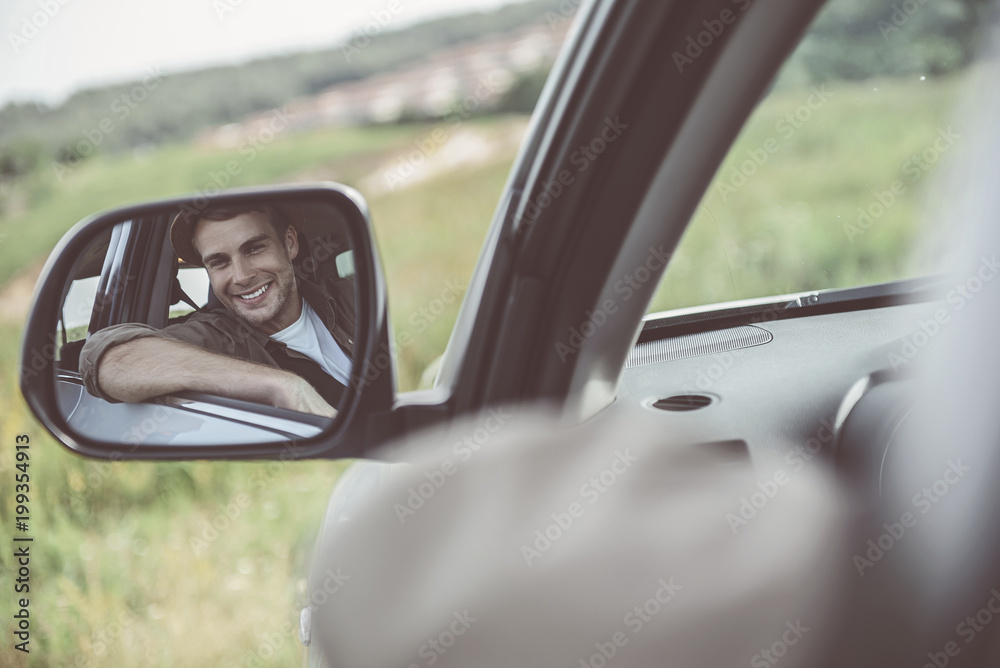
{"points": [[295, 393]]}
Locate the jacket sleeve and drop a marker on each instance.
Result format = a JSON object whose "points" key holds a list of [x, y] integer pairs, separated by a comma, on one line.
{"points": [[202, 333]]}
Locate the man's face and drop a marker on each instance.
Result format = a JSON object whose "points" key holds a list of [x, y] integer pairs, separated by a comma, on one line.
{"points": [[250, 269]]}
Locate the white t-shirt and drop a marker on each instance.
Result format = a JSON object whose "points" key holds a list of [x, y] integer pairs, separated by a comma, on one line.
{"points": [[309, 336]]}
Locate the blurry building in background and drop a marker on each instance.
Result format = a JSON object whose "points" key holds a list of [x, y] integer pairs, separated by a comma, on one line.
{"points": [[467, 78]]}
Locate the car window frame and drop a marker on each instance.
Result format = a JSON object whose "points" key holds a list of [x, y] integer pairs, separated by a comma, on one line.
{"points": [[501, 349]]}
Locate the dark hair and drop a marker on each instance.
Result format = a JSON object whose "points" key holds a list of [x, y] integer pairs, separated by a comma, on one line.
{"points": [[182, 229], [278, 220]]}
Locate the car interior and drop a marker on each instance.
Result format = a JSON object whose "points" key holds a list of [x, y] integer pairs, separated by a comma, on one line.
{"points": [[324, 251]]}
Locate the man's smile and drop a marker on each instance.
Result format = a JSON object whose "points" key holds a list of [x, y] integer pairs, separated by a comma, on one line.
{"points": [[256, 294]]}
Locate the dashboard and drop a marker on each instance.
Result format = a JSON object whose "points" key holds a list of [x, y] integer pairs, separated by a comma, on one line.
{"points": [[784, 393]]}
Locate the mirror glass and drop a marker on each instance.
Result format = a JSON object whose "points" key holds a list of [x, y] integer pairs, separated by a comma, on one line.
{"points": [[225, 324]]}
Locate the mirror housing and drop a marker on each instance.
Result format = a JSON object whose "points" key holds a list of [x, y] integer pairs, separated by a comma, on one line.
{"points": [[188, 425]]}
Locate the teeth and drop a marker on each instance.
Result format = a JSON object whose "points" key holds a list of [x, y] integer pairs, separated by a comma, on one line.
{"points": [[256, 294]]}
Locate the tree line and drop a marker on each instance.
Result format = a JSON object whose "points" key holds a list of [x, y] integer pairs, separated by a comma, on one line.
{"points": [[851, 40]]}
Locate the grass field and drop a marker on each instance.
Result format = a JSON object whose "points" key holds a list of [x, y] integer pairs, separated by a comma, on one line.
{"points": [[115, 578], [783, 213]]}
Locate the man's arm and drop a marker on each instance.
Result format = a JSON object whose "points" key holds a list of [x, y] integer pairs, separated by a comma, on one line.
{"points": [[147, 367]]}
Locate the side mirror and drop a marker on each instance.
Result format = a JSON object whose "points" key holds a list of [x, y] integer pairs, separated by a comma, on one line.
{"points": [[244, 324]]}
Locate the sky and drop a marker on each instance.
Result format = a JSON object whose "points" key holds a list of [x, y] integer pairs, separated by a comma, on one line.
{"points": [[51, 48]]}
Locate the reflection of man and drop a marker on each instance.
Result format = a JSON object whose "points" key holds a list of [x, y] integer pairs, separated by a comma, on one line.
{"points": [[277, 339]]}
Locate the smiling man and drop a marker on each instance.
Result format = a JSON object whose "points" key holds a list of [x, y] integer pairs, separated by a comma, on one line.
{"points": [[275, 338]]}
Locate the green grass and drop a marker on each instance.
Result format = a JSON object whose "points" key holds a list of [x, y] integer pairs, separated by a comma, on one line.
{"points": [[788, 227], [115, 579], [113, 550], [430, 239], [49, 202]]}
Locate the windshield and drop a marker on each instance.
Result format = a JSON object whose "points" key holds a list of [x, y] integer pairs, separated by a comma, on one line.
{"points": [[829, 183]]}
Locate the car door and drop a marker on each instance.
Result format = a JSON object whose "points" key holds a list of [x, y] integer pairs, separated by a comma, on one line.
{"points": [[591, 217], [620, 130], [617, 126]]}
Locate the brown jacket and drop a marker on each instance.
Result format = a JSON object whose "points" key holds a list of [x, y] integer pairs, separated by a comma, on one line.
{"points": [[218, 330]]}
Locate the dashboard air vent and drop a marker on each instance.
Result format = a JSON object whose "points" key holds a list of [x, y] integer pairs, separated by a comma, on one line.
{"points": [[683, 402]]}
